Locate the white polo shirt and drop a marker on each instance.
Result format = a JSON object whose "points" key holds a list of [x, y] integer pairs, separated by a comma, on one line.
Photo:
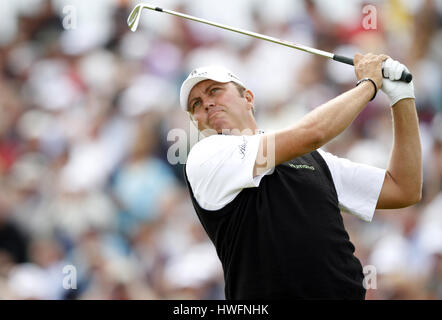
{"points": [[220, 166]]}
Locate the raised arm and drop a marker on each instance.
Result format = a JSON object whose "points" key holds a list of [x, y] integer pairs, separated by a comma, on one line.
{"points": [[403, 180], [323, 123]]}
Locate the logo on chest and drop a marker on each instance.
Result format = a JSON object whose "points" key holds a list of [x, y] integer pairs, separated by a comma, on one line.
{"points": [[301, 166], [242, 148]]}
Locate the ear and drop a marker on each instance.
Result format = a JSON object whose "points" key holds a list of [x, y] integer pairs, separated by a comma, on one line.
{"points": [[194, 122], [192, 119], [250, 98]]}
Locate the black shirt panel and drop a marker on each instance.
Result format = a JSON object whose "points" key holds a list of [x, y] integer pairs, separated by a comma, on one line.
{"points": [[285, 239]]}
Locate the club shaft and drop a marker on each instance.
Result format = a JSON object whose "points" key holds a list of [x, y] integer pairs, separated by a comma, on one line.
{"points": [[248, 33], [407, 77]]}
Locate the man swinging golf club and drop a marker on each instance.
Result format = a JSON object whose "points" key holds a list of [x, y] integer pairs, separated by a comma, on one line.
{"points": [[270, 202]]}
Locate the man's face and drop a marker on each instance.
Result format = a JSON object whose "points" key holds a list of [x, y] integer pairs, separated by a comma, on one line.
{"points": [[219, 106]]}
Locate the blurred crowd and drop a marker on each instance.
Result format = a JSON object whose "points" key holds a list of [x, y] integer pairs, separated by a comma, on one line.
{"points": [[86, 111]]}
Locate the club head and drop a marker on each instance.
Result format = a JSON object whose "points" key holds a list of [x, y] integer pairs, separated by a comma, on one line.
{"points": [[134, 18]]}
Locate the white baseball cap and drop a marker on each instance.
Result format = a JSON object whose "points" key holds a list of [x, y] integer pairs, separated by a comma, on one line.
{"points": [[215, 73]]}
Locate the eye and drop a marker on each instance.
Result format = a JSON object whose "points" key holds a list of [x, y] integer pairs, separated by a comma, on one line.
{"points": [[195, 104], [213, 90]]}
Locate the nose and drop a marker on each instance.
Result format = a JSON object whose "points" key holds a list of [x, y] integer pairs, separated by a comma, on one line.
{"points": [[208, 103]]}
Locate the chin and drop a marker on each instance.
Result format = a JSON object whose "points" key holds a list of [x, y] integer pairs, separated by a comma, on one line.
{"points": [[219, 126]]}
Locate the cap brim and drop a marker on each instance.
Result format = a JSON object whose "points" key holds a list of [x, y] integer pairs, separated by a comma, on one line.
{"points": [[188, 85]]}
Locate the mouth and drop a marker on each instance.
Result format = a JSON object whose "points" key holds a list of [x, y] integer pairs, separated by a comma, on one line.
{"points": [[215, 119], [214, 114]]}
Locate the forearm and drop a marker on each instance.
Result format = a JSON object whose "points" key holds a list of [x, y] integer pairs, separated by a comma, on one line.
{"points": [[405, 166], [322, 124], [325, 122]]}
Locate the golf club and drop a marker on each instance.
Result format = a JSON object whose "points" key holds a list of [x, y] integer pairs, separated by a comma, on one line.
{"points": [[134, 19]]}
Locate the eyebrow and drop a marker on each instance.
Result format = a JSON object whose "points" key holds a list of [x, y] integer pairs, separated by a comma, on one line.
{"points": [[205, 91]]}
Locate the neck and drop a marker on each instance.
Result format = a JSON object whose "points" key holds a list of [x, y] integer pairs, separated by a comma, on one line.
{"points": [[246, 129], [249, 128]]}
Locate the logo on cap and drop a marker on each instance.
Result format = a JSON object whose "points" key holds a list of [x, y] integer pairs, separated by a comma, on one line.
{"points": [[196, 73], [232, 75]]}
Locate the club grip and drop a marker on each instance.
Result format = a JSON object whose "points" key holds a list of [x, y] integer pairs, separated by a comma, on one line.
{"points": [[343, 59], [405, 77]]}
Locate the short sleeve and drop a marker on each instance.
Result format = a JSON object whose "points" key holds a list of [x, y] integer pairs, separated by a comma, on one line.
{"points": [[358, 185], [220, 166]]}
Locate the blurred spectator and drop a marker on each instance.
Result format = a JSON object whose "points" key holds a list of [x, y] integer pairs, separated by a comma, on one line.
{"points": [[41, 277], [142, 181]]}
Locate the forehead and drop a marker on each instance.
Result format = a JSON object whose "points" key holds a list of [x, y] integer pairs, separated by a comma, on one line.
{"points": [[201, 86]]}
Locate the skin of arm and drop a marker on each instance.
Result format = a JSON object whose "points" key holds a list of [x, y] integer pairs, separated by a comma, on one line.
{"points": [[314, 130], [402, 186], [323, 123], [403, 180]]}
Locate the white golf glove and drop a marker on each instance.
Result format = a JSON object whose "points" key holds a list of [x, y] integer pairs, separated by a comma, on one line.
{"points": [[396, 90]]}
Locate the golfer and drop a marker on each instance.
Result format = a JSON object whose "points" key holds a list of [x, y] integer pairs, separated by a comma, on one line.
{"points": [[271, 202]]}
